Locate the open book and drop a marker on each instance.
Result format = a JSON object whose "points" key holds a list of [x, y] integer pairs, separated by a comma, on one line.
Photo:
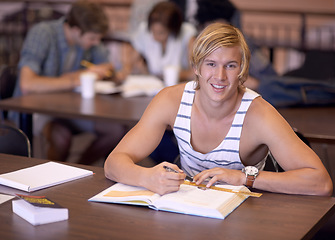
{"points": [[188, 200], [138, 85], [42, 176]]}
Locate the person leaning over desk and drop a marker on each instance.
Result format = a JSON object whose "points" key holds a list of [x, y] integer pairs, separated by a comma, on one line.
{"points": [[51, 61], [221, 127], [52, 52]]}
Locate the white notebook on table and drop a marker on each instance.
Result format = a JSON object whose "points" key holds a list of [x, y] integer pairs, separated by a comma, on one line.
{"points": [[42, 176]]}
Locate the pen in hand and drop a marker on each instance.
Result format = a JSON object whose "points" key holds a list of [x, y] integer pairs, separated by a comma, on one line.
{"points": [[169, 169], [88, 64]]}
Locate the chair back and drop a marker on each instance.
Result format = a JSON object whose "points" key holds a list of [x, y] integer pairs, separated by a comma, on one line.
{"points": [[7, 81], [14, 141], [8, 78]]}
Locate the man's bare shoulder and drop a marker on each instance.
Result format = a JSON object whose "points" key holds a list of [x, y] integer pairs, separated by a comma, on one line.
{"points": [[260, 109], [170, 96], [166, 103], [263, 117]]}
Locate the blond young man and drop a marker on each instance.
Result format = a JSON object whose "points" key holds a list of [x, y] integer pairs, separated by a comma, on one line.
{"points": [[223, 129]]}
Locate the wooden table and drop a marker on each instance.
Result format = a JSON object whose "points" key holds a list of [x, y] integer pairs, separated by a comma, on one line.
{"points": [[310, 121], [72, 105], [272, 216], [316, 123]]}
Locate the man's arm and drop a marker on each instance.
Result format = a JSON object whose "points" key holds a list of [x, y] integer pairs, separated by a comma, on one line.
{"points": [[141, 141], [304, 171], [263, 126], [30, 82]]}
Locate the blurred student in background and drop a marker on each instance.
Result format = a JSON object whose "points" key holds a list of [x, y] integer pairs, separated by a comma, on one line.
{"points": [[164, 39], [160, 41], [51, 61]]}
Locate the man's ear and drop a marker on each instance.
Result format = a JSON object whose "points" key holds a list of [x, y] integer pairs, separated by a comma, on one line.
{"points": [[195, 70]]}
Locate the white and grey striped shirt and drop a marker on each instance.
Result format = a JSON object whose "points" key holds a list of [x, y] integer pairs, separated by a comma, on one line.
{"points": [[226, 154]]}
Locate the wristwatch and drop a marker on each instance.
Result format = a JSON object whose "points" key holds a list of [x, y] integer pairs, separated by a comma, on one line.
{"points": [[251, 173]]}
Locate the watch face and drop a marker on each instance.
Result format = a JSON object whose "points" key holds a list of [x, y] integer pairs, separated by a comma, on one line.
{"points": [[251, 170]]}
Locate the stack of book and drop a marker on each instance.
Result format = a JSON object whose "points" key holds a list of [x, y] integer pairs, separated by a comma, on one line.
{"points": [[39, 209]]}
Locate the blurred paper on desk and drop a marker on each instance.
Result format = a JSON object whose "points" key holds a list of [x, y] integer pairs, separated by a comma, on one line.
{"points": [[103, 87], [107, 87], [139, 85], [5, 197]]}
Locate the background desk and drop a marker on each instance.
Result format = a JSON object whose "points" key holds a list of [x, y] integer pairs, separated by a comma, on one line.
{"points": [[272, 216], [316, 123], [71, 105], [310, 121]]}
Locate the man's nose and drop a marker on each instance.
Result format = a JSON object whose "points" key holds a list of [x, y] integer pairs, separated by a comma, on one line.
{"points": [[221, 73]]}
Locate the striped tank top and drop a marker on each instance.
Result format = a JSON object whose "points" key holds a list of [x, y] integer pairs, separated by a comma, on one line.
{"points": [[226, 154]]}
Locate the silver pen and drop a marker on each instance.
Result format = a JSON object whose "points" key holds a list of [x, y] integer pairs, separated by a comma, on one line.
{"points": [[188, 178]]}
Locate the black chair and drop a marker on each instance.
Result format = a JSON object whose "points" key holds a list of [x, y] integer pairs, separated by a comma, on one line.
{"points": [[7, 83], [14, 141]]}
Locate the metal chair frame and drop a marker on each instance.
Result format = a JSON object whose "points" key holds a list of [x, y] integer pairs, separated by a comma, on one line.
{"points": [[14, 141]]}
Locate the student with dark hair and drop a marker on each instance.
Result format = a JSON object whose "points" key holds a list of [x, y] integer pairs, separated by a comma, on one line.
{"points": [[168, 15], [51, 61], [88, 17], [55, 49], [162, 40]]}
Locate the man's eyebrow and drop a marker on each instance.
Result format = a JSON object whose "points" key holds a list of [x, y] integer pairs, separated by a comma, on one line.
{"points": [[232, 61], [208, 60]]}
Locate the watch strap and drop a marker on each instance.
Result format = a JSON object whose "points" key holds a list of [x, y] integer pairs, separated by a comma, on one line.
{"points": [[250, 179]]}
